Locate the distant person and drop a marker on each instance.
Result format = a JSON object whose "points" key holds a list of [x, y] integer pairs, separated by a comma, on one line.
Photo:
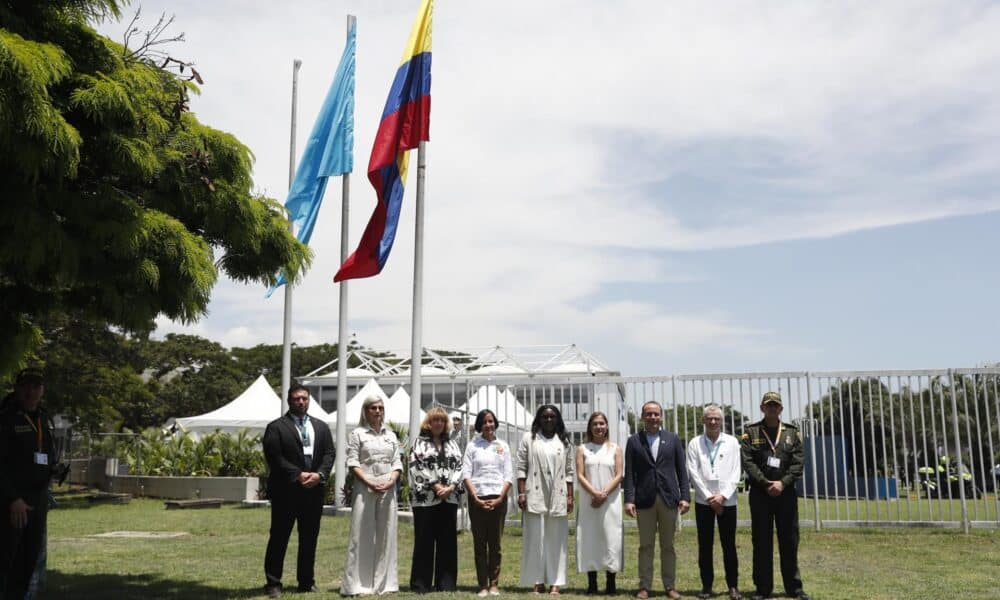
{"points": [[299, 452], [435, 476], [375, 462], [27, 456], [713, 460], [545, 462], [656, 493], [600, 467], [488, 473], [772, 456]]}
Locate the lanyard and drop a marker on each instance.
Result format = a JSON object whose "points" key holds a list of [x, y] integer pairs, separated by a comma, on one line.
{"points": [[38, 430], [777, 438], [712, 451]]}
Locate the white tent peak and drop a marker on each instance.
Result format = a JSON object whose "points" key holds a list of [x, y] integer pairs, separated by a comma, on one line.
{"points": [[257, 406]]}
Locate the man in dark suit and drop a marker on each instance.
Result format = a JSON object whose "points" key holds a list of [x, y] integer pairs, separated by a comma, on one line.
{"points": [[656, 489], [299, 453]]}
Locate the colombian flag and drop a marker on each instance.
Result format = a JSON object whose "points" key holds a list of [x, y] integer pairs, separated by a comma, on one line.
{"points": [[405, 123]]}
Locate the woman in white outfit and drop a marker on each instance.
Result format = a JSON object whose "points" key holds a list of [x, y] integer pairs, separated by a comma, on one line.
{"points": [[545, 494], [373, 457], [599, 469]]}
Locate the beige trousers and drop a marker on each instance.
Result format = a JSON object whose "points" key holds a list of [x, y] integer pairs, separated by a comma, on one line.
{"points": [[662, 518]]}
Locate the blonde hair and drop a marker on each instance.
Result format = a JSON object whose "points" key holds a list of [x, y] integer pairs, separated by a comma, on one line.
{"points": [[364, 410], [436, 412]]}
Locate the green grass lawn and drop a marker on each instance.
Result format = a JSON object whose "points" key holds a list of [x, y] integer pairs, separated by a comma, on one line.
{"points": [[222, 557]]}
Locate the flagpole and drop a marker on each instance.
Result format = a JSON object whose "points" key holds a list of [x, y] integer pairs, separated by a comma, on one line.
{"points": [[416, 347], [286, 350], [340, 459]]}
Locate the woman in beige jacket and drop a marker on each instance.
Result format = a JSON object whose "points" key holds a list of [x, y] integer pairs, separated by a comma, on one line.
{"points": [[545, 461]]}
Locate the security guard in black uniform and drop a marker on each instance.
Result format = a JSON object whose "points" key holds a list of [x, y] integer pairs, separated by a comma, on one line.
{"points": [[772, 454], [26, 460]]}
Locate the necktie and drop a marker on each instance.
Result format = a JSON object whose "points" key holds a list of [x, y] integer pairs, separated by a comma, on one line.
{"points": [[303, 431]]}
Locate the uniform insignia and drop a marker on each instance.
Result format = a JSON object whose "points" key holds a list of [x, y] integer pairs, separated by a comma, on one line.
{"points": [[745, 436], [800, 437]]}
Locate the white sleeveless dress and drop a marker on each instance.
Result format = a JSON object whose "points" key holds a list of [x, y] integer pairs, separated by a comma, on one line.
{"points": [[599, 530]]}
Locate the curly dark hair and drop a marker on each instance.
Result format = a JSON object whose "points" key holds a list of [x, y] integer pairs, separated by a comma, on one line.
{"points": [[560, 425]]}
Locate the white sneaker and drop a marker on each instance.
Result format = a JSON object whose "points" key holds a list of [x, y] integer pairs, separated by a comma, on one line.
{"points": [[483, 593], [494, 592]]}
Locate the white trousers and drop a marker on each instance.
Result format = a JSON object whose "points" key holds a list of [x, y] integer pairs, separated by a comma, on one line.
{"points": [[543, 549], [371, 549]]}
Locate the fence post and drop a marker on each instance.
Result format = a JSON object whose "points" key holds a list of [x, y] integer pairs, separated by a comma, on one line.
{"points": [[958, 452], [812, 453]]}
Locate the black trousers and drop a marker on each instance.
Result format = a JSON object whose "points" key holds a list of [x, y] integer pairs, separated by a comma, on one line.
{"points": [[706, 518], [20, 548], [765, 513], [302, 506], [435, 548], [487, 534]]}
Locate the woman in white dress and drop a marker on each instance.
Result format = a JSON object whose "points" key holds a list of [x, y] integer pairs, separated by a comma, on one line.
{"points": [[373, 457], [545, 495], [599, 469]]}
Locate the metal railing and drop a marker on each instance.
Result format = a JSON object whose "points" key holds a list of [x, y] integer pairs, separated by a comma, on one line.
{"points": [[916, 448]]}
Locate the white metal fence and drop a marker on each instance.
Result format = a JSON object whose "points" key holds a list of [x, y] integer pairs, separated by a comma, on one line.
{"points": [[917, 448]]}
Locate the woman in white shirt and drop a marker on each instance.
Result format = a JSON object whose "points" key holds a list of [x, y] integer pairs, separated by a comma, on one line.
{"points": [[374, 460], [599, 469], [545, 460], [488, 474]]}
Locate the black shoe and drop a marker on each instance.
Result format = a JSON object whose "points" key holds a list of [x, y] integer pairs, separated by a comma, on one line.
{"points": [[801, 596], [311, 588], [611, 587], [759, 596], [272, 591]]}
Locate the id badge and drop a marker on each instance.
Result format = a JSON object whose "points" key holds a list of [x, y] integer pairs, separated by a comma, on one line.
{"points": [[774, 462], [41, 458]]}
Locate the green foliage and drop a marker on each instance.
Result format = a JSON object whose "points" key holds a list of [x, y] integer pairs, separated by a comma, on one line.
{"points": [[119, 206], [217, 454]]}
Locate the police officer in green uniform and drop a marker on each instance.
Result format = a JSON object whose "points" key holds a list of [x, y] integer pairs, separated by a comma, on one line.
{"points": [[773, 461], [26, 460]]}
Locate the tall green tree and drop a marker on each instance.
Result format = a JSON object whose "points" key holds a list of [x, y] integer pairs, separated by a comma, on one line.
{"points": [[118, 204]]}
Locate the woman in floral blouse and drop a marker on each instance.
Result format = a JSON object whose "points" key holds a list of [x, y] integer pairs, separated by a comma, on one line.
{"points": [[488, 473], [435, 473]]}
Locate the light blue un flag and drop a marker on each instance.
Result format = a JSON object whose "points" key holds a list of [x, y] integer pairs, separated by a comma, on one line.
{"points": [[329, 151]]}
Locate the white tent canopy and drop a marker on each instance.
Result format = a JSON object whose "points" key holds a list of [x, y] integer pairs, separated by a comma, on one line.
{"points": [[397, 408], [503, 403], [252, 410]]}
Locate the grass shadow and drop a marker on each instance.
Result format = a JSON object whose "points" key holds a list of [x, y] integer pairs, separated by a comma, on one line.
{"points": [[106, 585]]}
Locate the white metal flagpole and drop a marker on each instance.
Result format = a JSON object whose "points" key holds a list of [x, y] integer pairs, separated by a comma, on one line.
{"points": [[286, 351], [340, 461], [416, 347]]}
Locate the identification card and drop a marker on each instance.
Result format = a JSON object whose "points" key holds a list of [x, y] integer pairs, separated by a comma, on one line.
{"points": [[41, 458], [774, 461]]}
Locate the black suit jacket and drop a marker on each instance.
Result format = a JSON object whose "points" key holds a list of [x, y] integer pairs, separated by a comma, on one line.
{"points": [[666, 476], [285, 460]]}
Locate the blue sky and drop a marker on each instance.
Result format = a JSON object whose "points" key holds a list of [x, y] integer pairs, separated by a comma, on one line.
{"points": [[676, 188]]}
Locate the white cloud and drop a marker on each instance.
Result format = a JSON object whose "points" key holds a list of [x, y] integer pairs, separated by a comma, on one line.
{"points": [[573, 144]]}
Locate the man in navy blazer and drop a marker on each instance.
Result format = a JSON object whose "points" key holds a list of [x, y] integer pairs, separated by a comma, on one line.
{"points": [[299, 453], [656, 489]]}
